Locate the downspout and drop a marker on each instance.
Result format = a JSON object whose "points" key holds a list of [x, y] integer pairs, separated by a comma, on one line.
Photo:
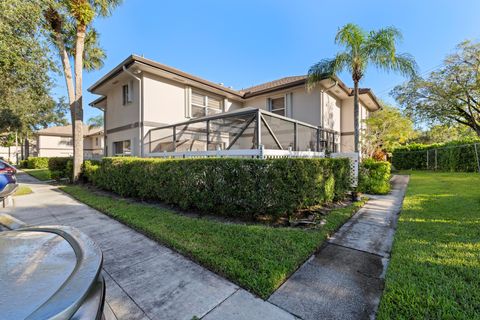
{"points": [[140, 110]]}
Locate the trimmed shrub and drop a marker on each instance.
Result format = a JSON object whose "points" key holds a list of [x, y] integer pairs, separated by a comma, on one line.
{"points": [[242, 188], [452, 156], [37, 163], [89, 170], [56, 174], [61, 167], [23, 164], [374, 177]]}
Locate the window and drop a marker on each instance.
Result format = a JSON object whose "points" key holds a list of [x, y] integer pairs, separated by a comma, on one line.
{"points": [[96, 141], [203, 104], [127, 93], [122, 148], [277, 105]]}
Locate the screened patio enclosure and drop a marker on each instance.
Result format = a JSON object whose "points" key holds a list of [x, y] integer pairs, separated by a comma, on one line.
{"points": [[244, 132]]}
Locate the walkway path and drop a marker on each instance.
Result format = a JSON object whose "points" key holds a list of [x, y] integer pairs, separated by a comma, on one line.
{"points": [[345, 279], [146, 280]]}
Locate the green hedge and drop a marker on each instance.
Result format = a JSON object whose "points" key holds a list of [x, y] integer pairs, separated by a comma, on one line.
{"points": [[374, 177], [224, 186], [37, 163], [61, 167], [452, 156]]}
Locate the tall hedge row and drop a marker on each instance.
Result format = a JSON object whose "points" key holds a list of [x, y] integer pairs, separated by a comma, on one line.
{"points": [[452, 156], [374, 177], [224, 186], [37, 163], [61, 167]]}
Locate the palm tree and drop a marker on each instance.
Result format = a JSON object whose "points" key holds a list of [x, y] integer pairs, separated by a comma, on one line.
{"points": [[362, 49], [69, 23]]}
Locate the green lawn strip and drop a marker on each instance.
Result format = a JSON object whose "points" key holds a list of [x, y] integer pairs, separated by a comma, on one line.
{"points": [[257, 257], [40, 174], [434, 272], [23, 190]]}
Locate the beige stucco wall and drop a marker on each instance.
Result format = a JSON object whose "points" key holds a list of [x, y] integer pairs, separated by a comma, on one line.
{"points": [[94, 143], [347, 127], [164, 100], [57, 146], [54, 146]]}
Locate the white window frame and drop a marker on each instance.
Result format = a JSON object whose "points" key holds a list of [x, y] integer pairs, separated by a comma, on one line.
{"points": [[205, 103], [270, 105]]}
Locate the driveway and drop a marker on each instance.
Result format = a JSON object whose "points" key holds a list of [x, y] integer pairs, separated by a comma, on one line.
{"points": [[144, 279]]}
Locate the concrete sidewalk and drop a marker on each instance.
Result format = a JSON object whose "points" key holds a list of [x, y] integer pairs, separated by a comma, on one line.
{"points": [[345, 279], [145, 280]]}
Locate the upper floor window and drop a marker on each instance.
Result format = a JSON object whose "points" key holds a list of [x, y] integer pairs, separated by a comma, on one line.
{"points": [[277, 105], [96, 141], [127, 93], [203, 104]]}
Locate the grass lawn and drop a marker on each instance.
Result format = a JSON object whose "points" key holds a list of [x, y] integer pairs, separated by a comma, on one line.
{"points": [[23, 190], [257, 257], [434, 272], [40, 174]]}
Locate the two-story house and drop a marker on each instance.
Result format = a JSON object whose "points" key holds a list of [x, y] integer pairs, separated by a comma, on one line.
{"points": [[140, 94]]}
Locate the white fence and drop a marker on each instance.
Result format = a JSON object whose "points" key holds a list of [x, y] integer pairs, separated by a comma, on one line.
{"points": [[243, 153], [354, 164]]}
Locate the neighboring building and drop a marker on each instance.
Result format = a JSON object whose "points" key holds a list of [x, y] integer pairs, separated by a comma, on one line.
{"points": [[140, 94], [58, 142]]}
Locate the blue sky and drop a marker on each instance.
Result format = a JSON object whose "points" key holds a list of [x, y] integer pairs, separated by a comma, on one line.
{"points": [[243, 43]]}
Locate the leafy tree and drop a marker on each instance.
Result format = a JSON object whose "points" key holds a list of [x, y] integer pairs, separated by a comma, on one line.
{"points": [[362, 49], [443, 133], [96, 122], [70, 25], [25, 65], [387, 129], [450, 95]]}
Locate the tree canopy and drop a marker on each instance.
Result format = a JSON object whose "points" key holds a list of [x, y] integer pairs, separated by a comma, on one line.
{"points": [[449, 95], [361, 49], [387, 129], [69, 25], [25, 69]]}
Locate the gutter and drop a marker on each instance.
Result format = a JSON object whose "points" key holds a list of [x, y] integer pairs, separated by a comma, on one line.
{"points": [[140, 110]]}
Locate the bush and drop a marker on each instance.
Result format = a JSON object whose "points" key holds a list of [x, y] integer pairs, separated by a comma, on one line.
{"points": [[61, 167], [242, 188], [23, 164], [374, 177], [89, 170], [452, 156], [56, 174], [37, 163]]}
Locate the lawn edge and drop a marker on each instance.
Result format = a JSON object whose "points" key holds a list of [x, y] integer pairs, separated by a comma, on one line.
{"points": [[211, 268]]}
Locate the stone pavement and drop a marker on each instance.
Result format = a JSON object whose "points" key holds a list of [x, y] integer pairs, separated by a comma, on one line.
{"points": [[345, 279]]}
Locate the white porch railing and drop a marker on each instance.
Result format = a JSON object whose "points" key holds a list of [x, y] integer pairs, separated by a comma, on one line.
{"points": [[242, 153]]}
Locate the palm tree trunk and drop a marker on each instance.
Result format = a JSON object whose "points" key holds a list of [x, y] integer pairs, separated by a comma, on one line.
{"points": [[67, 69], [77, 123], [356, 123]]}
